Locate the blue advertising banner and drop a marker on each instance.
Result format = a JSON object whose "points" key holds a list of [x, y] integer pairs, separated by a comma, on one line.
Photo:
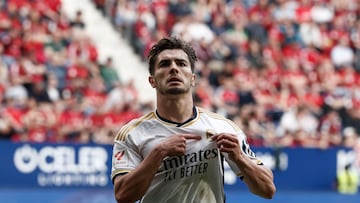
{"points": [[40, 165], [88, 166], [298, 168]]}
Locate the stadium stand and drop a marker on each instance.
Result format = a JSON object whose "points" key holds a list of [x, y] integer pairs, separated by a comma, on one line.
{"points": [[287, 72], [53, 75]]}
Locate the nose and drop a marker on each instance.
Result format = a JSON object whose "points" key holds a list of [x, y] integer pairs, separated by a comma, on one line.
{"points": [[174, 67]]}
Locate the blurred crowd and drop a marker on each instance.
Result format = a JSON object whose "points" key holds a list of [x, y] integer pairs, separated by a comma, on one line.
{"points": [[286, 71], [53, 88]]}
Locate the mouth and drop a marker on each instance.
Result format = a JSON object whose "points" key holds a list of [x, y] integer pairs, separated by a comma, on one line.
{"points": [[174, 80]]}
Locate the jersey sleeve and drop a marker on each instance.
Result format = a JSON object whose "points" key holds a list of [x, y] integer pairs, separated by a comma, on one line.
{"points": [[246, 150], [125, 157]]}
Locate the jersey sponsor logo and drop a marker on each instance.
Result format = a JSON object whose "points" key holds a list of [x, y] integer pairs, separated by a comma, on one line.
{"points": [[188, 164], [187, 159]]}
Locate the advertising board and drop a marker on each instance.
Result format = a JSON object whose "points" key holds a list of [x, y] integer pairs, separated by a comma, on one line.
{"points": [[89, 166]]}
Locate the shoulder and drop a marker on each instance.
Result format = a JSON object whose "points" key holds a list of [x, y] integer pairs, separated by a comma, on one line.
{"points": [[133, 125], [218, 118]]}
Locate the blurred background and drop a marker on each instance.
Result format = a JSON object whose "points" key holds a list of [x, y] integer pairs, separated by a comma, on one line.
{"points": [[73, 72]]}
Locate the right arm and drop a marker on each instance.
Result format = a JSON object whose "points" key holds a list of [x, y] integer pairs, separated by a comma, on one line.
{"points": [[133, 185]]}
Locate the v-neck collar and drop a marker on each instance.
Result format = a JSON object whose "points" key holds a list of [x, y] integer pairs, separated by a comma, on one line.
{"points": [[176, 123]]}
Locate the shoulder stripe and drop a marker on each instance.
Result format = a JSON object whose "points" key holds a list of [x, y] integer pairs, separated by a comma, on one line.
{"points": [[123, 132]]}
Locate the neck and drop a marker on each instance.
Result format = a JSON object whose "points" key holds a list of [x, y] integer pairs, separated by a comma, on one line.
{"points": [[177, 109]]}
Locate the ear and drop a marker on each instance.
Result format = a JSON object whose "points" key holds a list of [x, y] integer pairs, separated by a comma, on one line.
{"points": [[193, 80], [152, 81]]}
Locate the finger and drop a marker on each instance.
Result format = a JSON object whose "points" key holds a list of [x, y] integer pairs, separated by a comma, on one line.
{"points": [[214, 137], [225, 149], [225, 136], [226, 143], [192, 137], [182, 144]]}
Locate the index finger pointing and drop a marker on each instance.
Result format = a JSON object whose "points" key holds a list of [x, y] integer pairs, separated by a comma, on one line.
{"points": [[192, 137]]}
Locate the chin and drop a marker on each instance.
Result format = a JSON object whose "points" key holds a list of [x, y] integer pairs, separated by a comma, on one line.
{"points": [[175, 90]]}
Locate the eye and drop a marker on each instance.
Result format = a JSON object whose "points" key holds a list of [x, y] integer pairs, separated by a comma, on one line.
{"points": [[164, 63], [181, 64]]}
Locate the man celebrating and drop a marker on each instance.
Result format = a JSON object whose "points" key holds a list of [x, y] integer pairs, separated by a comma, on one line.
{"points": [[175, 154]]}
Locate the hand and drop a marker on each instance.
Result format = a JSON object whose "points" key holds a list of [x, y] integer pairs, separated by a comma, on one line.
{"points": [[176, 145], [229, 144]]}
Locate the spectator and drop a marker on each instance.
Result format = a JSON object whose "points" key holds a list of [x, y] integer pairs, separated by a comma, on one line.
{"points": [[192, 30], [330, 130], [342, 53], [219, 24], [78, 21], [72, 123], [355, 36], [180, 8], [125, 18], [255, 54], [226, 98], [298, 126], [350, 137], [109, 74], [38, 92], [52, 89], [255, 29]]}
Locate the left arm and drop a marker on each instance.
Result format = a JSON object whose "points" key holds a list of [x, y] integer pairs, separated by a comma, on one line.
{"points": [[258, 178]]}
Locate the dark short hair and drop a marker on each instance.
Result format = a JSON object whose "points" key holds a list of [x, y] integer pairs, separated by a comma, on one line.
{"points": [[170, 43]]}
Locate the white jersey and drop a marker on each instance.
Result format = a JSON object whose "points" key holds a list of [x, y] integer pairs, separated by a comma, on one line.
{"points": [[197, 176]]}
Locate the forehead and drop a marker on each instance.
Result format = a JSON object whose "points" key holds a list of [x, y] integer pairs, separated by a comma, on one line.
{"points": [[172, 54]]}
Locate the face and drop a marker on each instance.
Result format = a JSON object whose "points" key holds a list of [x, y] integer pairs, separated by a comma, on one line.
{"points": [[172, 74]]}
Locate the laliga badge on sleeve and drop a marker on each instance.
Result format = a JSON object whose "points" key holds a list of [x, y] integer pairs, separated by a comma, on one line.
{"points": [[120, 158]]}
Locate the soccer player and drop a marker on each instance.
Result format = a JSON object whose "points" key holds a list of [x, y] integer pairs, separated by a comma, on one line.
{"points": [[175, 153]]}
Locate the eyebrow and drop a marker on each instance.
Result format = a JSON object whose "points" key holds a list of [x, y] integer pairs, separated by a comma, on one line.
{"points": [[175, 59]]}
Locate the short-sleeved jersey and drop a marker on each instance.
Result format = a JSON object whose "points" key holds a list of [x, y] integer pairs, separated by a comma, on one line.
{"points": [[197, 176]]}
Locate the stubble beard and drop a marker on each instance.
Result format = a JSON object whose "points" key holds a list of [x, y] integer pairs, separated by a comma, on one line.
{"points": [[174, 90]]}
